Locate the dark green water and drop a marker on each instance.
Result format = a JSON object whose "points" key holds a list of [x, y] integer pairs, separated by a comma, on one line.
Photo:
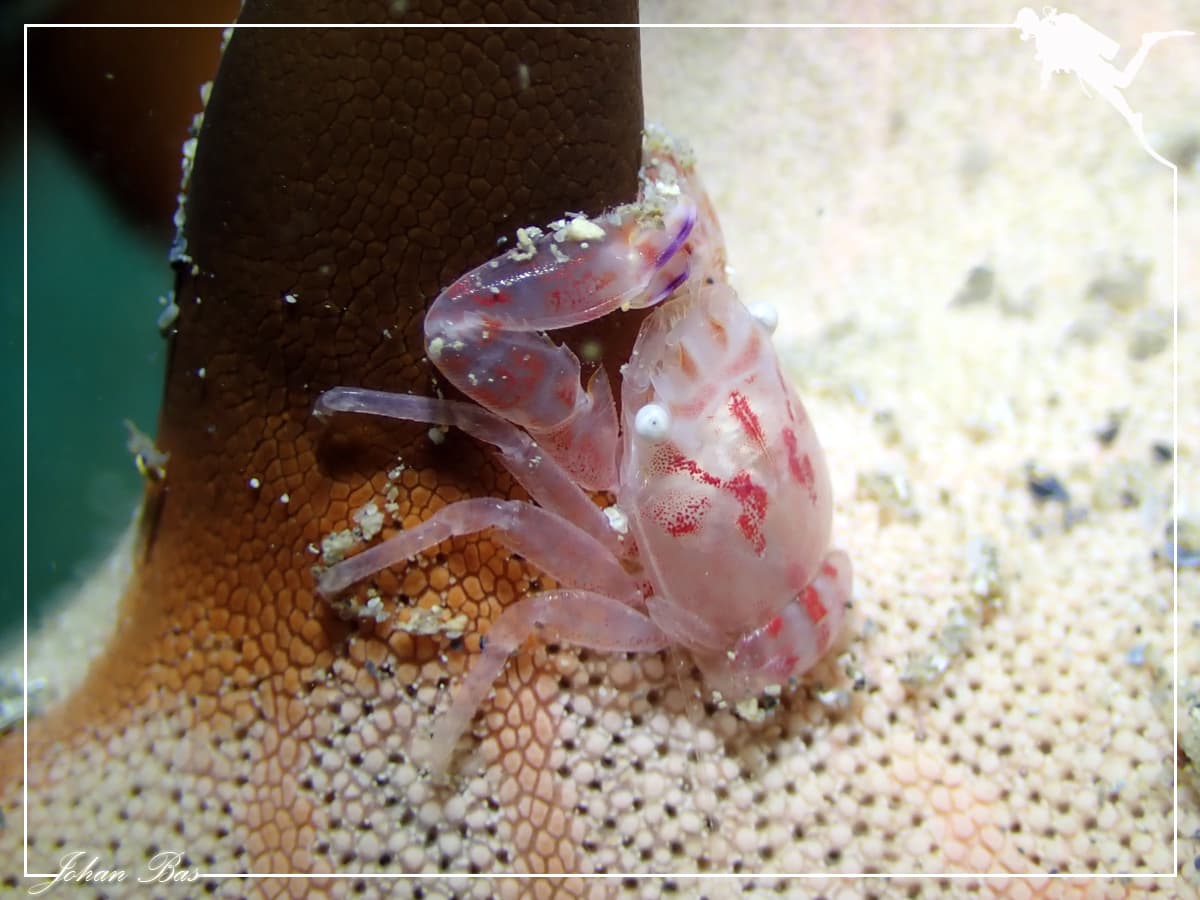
{"points": [[95, 358], [11, 524]]}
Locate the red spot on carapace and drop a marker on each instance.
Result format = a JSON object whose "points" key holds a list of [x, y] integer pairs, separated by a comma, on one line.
{"points": [[669, 461], [775, 626], [740, 407], [813, 607], [679, 516], [753, 500], [751, 497], [800, 467], [829, 569]]}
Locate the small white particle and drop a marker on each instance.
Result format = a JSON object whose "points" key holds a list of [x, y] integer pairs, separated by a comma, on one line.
{"points": [[255, 483], [285, 498], [335, 546], [290, 299], [185, 163], [583, 229], [202, 371], [369, 520], [437, 435], [617, 520], [166, 319], [526, 248], [835, 698], [374, 609], [749, 710]]}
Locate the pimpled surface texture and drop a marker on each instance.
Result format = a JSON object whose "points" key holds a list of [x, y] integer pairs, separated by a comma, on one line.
{"points": [[342, 178], [872, 178]]}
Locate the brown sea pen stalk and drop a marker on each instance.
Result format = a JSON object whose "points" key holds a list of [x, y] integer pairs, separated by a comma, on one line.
{"points": [[341, 177]]}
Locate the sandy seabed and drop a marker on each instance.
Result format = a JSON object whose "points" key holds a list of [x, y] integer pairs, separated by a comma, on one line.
{"points": [[975, 278], [975, 281]]}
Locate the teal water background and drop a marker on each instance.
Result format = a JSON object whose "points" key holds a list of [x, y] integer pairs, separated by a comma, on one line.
{"points": [[95, 358], [11, 520]]}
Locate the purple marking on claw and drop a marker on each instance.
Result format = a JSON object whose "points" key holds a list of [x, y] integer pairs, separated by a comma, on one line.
{"points": [[671, 285], [677, 242]]}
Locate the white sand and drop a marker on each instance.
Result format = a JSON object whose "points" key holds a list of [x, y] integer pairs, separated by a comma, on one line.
{"points": [[860, 176]]}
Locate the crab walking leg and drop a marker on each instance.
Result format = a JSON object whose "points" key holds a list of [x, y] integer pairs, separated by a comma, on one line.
{"points": [[485, 332], [555, 546], [793, 641], [539, 474], [576, 617]]}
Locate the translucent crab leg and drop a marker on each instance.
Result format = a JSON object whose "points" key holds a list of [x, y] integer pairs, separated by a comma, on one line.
{"points": [[576, 617], [539, 474], [555, 546]]}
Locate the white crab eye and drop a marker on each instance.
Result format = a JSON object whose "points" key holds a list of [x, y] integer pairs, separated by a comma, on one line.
{"points": [[765, 314], [652, 422]]}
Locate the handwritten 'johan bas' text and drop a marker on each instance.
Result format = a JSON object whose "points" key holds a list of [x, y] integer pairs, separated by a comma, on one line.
{"points": [[77, 867]]}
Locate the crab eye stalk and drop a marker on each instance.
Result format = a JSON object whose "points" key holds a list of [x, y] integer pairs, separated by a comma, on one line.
{"points": [[652, 422]]}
